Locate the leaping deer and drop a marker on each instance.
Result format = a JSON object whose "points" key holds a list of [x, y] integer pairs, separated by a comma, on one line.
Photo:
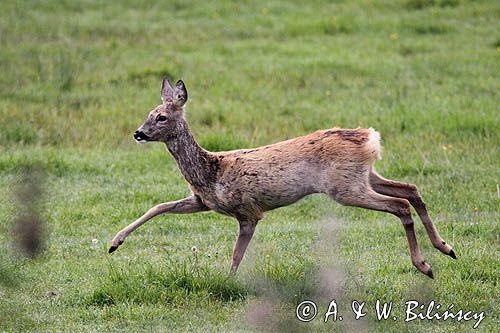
{"points": [[245, 183]]}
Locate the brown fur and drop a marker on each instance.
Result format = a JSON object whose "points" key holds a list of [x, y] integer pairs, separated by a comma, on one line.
{"points": [[245, 183]]}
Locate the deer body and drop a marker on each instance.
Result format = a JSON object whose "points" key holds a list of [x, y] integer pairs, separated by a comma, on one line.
{"points": [[282, 173], [245, 183]]}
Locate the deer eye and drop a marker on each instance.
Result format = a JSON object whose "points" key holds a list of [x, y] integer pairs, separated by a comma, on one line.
{"points": [[161, 118]]}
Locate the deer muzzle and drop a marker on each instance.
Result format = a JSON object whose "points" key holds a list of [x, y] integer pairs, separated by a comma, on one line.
{"points": [[141, 137]]}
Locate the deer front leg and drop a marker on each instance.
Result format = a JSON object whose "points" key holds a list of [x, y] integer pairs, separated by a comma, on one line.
{"points": [[247, 228], [188, 205]]}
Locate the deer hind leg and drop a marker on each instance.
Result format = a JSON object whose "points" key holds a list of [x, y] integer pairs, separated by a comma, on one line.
{"points": [[368, 198], [410, 192]]}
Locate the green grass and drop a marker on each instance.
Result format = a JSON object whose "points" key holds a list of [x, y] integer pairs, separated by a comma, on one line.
{"points": [[77, 78]]}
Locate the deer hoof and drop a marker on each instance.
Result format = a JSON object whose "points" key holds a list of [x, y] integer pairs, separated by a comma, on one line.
{"points": [[452, 254], [424, 268], [112, 249]]}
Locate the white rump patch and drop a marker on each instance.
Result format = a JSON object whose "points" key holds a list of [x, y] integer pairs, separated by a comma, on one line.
{"points": [[374, 143]]}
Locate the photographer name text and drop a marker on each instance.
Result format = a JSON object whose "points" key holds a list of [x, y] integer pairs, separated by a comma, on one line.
{"points": [[413, 310]]}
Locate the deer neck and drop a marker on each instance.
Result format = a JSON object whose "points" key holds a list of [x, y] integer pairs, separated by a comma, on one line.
{"points": [[197, 165]]}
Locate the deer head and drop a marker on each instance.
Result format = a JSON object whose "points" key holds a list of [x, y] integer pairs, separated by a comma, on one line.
{"points": [[162, 122]]}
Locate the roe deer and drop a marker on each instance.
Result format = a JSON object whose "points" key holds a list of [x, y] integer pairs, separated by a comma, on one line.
{"points": [[245, 183]]}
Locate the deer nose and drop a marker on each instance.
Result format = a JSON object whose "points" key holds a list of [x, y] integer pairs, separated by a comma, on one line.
{"points": [[140, 136]]}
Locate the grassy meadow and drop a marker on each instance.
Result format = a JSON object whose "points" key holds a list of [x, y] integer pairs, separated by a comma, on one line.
{"points": [[78, 77]]}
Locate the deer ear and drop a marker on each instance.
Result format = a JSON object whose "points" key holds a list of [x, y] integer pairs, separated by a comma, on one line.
{"points": [[180, 94], [167, 92]]}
